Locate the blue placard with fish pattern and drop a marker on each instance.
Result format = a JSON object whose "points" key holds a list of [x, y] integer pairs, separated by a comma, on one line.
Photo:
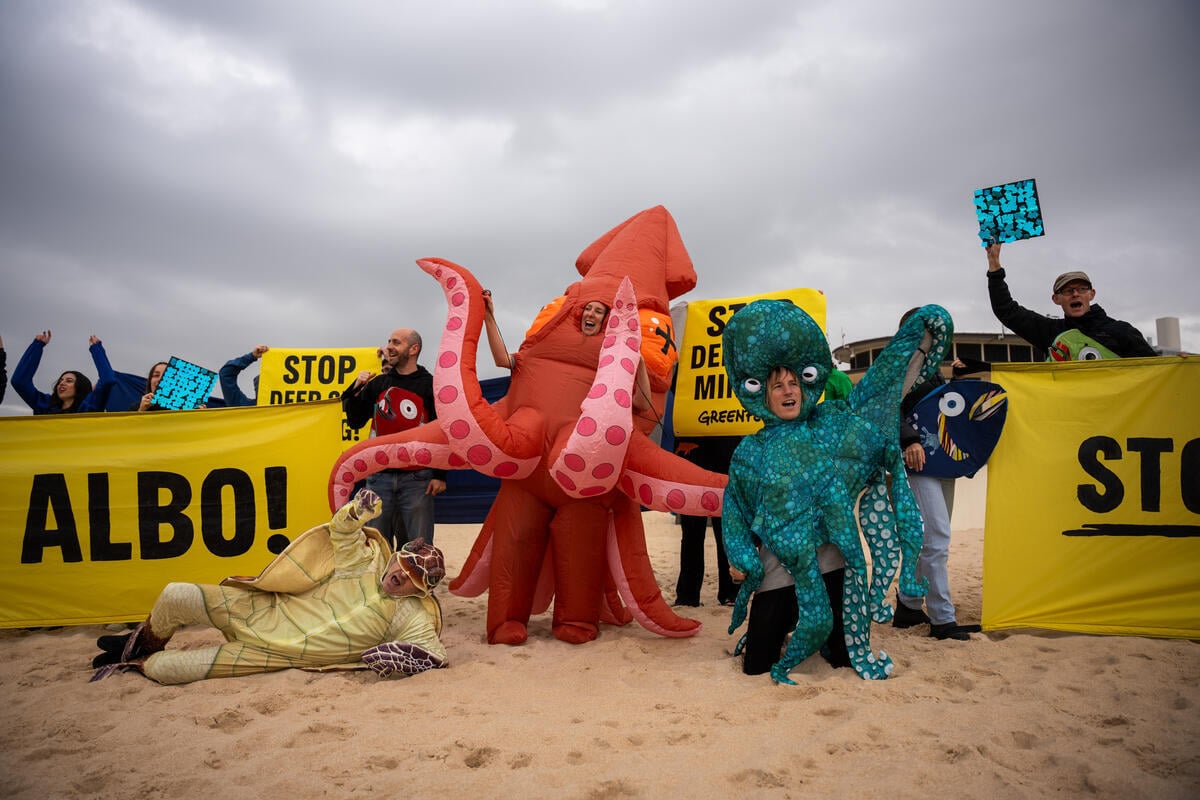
{"points": [[184, 385], [1009, 212]]}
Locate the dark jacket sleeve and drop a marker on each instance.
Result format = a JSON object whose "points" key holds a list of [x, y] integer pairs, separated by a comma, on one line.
{"points": [[233, 394], [360, 405], [3, 373], [1128, 341], [106, 379], [1035, 328], [22, 378]]}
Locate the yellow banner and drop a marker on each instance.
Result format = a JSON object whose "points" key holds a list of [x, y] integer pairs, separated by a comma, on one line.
{"points": [[1093, 507], [704, 403], [99, 511], [296, 375]]}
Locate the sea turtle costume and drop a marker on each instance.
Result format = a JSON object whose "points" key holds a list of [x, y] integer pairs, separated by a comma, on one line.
{"points": [[318, 605]]}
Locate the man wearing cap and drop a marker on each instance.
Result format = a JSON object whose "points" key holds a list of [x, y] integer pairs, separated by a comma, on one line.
{"points": [[1073, 293], [337, 597]]}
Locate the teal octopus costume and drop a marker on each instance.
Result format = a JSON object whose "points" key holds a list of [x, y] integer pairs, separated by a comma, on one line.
{"points": [[798, 484]]}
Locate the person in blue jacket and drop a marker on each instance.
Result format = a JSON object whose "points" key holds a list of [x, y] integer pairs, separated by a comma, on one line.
{"points": [[72, 392], [229, 377]]}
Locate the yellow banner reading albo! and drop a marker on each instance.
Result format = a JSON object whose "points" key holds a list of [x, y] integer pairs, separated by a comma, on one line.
{"points": [[99, 511], [1093, 499], [704, 402]]}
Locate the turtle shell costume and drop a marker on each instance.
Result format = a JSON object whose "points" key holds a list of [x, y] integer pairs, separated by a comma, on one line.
{"points": [[319, 604]]}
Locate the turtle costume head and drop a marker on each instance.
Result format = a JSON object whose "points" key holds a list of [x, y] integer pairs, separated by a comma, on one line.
{"points": [[423, 563], [774, 333]]}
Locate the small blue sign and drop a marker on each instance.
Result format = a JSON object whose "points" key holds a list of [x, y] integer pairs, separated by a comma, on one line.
{"points": [[1009, 212], [184, 385]]}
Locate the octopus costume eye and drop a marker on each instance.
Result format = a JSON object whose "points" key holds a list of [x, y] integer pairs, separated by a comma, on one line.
{"points": [[952, 404], [1089, 354], [752, 385], [809, 375]]}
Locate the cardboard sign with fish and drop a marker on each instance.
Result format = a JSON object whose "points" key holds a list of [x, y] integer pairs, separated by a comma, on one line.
{"points": [[960, 423]]}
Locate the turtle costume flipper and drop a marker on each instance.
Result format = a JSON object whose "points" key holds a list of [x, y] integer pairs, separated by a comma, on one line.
{"points": [[406, 658]]}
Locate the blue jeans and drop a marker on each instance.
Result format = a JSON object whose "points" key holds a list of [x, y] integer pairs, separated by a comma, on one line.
{"points": [[935, 498], [407, 510]]}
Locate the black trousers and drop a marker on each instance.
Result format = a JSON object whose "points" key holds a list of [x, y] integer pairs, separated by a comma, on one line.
{"points": [[691, 562], [774, 614]]}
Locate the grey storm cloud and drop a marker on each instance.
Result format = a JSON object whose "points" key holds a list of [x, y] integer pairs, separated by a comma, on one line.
{"points": [[193, 179]]}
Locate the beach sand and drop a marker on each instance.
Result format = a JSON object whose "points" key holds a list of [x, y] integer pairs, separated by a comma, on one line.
{"points": [[1006, 715]]}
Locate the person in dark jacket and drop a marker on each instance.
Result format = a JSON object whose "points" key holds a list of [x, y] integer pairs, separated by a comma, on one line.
{"points": [[394, 400], [1073, 293]]}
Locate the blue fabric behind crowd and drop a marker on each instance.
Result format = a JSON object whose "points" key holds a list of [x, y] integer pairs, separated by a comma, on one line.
{"points": [[469, 494], [126, 393]]}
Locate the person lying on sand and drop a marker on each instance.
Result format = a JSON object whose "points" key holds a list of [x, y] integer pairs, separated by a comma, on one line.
{"points": [[336, 597]]}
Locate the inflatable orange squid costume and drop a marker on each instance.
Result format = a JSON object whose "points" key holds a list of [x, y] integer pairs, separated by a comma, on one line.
{"points": [[575, 462]]}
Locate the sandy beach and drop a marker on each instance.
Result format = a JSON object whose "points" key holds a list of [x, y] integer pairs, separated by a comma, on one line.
{"points": [[1006, 715]]}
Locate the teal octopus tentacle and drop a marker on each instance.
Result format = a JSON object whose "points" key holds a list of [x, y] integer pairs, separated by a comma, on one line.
{"points": [[738, 531], [856, 611], [877, 521], [913, 355], [816, 621], [909, 529]]}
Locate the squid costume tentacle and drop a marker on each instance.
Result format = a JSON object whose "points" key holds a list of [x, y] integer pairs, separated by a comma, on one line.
{"points": [[574, 460], [801, 483]]}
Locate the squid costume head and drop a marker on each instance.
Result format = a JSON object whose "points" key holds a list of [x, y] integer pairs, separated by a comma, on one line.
{"points": [[774, 333], [423, 563]]}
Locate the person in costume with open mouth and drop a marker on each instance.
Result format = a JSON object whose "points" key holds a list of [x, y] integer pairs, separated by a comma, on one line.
{"points": [[337, 597]]}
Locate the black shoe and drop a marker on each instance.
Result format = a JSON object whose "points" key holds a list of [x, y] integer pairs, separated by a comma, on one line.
{"points": [[952, 630], [106, 658], [679, 603], [113, 644], [906, 617], [113, 647], [837, 657]]}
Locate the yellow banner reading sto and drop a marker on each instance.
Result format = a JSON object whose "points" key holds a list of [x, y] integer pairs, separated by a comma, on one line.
{"points": [[1093, 499], [99, 511]]}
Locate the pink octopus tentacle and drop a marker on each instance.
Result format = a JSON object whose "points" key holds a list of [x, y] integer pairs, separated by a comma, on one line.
{"points": [[421, 447], [690, 490], [591, 461], [462, 412], [663, 495], [630, 570]]}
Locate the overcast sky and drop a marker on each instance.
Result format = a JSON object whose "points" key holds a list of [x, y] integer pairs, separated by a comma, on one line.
{"points": [[193, 179]]}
